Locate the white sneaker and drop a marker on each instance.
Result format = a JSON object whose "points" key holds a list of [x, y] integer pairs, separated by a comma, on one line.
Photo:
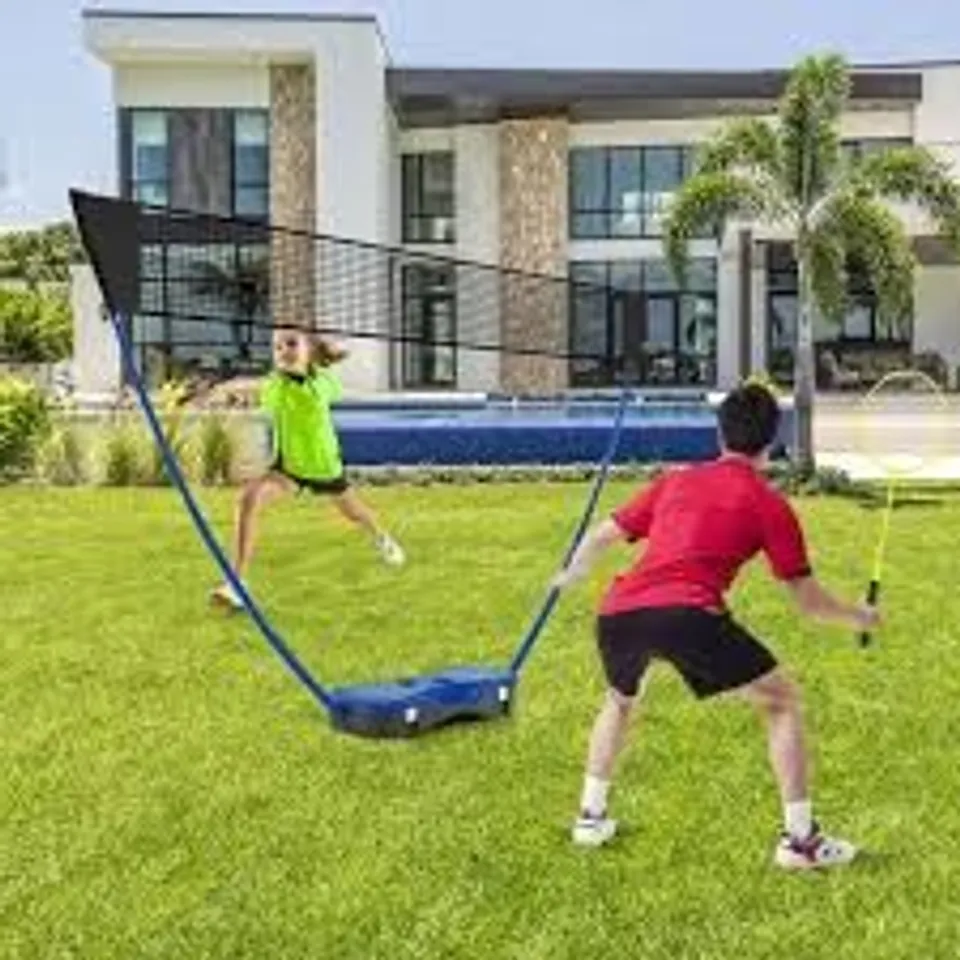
{"points": [[391, 551], [226, 596], [590, 831], [813, 853]]}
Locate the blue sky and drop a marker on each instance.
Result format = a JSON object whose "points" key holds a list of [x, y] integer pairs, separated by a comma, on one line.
{"points": [[56, 119]]}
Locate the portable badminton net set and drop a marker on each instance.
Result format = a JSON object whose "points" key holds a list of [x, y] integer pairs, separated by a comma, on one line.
{"points": [[346, 283]]}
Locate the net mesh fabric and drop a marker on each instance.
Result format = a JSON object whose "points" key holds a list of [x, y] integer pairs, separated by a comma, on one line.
{"points": [[216, 286]]}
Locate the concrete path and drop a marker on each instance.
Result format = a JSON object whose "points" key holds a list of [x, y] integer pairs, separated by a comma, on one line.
{"points": [[913, 437]]}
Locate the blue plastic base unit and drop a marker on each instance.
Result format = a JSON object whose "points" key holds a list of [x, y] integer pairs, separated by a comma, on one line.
{"points": [[414, 705]]}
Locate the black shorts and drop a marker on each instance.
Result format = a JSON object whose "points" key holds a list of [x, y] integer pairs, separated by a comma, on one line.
{"points": [[333, 486], [711, 651]]}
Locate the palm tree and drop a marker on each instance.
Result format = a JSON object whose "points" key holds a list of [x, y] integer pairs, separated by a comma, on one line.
{"points": [[794, 173]]}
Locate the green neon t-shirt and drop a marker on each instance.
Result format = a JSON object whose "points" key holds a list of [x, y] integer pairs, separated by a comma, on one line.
{"points": [[305, 442]]}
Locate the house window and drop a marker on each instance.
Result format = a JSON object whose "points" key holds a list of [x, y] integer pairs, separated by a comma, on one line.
{"points": [[630, 320], [213, 160], [251, 164], [428, 198], [861, 328], [148, 158], [867, 146], [618, 192], [429, 304]]}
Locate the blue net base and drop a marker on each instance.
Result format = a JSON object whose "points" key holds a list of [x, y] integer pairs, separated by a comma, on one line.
{"points": [[415, 705]]}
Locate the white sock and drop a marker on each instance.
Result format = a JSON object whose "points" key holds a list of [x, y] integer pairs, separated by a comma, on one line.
{"points": [[798, 819], [594, 799]]}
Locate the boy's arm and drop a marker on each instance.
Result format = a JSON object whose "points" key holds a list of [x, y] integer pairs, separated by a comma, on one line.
{"points": [[630, 522], [786, 550], [817, 602], [602, 536]]}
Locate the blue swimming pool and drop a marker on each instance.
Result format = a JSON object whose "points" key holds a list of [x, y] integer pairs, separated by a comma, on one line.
{"points": [[491, 432]]}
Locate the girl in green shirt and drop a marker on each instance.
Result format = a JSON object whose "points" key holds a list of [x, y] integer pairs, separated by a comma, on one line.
{"points": [[297, 395]]}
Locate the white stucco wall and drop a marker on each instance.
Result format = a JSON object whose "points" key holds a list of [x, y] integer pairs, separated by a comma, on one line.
{"points": [[191, 85], [477, 197], [728, 311], [854, 124], [758, 310], [937, 313], [937, 118], [96, 352], [354, 179]]}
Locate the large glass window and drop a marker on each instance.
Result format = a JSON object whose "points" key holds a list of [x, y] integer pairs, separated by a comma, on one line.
{"points": [[149, 158], [429, 326], [629, 320], [860, 329], [203, 307], [428, 198], [251, 164], [866, 146], [624, 191], [227, 156]]}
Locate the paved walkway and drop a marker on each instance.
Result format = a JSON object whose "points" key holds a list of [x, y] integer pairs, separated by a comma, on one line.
{"points": [[916, 437]]}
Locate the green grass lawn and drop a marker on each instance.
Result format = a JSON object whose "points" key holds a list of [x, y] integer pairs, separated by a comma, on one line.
{"points": [[168, 790]]}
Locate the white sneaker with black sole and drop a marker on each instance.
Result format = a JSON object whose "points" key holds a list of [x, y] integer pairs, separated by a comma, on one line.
{"points": [[815, 853], [391, 551], [591, 831]]}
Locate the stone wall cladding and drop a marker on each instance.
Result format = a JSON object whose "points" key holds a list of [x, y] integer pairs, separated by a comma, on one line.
{"points": [[293, 192], [533, 239]]}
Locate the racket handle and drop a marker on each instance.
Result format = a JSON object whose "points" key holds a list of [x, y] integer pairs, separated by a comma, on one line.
{"points": [[873, 594]]}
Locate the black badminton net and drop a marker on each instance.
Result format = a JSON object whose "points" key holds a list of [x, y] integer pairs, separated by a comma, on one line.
{"points": [[215, 287]]}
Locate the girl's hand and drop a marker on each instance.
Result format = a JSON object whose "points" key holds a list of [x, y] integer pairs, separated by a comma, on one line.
{"points": [[326, 354]]}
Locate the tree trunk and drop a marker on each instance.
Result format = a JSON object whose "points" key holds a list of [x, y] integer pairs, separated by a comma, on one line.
{"points": [[804, 376]]}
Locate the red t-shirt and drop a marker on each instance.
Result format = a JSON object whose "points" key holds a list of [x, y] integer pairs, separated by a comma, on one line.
{"points": [[702, 524]]}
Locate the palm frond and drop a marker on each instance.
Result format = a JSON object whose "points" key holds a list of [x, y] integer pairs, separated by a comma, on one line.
{"points": [[871, 233], [914, 174], [826, 262], [749, 143], [706, 202], [809, 126]]}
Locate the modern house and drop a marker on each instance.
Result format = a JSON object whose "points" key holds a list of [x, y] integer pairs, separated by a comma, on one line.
{"points": [[304, 120]]}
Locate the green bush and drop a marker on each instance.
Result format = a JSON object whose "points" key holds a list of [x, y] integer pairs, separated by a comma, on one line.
{"points": [[217, 451], [35, 327], [170, 413], [24, 426], [62, 461], [126, 461]]}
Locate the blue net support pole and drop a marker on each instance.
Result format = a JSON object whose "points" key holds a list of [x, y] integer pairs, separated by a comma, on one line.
{"points": [[540, 621], [299, 671]]}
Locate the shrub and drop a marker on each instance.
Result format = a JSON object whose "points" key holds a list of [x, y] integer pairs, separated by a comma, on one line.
{"points": [[825, 481], [217, 451], [125, 458], [170, 413], [24, 425], [35, 327], [62, 461]]}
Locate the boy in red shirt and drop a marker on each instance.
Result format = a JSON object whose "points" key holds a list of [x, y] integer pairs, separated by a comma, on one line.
{"points": [[701, 525]]}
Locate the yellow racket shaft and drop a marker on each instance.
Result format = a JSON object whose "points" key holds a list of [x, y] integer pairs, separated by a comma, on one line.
{"points": [[873, 590]]}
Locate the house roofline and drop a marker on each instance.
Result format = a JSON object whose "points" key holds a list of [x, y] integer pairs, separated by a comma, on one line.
{"points": [[237, 16], [98, 13]]}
